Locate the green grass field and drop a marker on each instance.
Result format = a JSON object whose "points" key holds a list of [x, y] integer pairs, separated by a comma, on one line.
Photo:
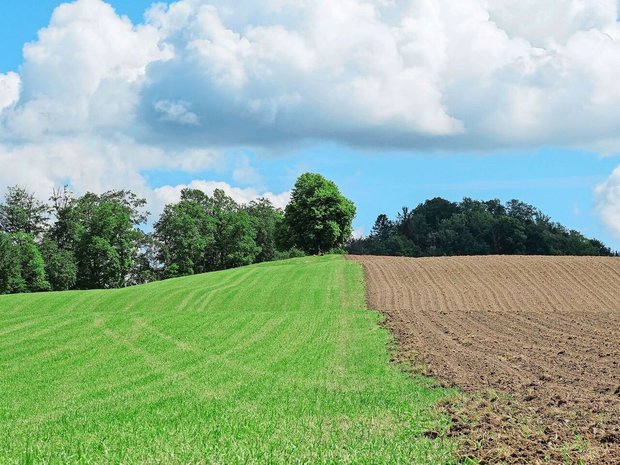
{"points": [[272, 363]]}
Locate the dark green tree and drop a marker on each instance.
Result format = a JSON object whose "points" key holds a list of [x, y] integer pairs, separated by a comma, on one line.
{"points": [[186, 233], [318, 217], [31, 263], [60, 265], [103, 232], [99, 264], [11, 280], [383, 227], [471, 227], [234, 240], [266, 220], [22, 212], [507, 236], [21, 265], [67, 226]]}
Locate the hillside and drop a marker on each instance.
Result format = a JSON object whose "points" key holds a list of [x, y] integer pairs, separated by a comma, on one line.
{"points": [[279, 363], [543, 330]]}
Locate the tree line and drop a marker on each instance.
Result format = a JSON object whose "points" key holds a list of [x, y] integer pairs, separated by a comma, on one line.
{"points": [[98, 241], [439, 227]]}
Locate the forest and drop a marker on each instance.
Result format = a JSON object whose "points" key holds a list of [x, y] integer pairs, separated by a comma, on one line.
{"points": [[99, 241], [439, 227]]}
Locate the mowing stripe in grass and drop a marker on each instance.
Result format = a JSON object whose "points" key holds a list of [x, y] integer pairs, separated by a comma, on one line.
{"points": [[273, 363]]}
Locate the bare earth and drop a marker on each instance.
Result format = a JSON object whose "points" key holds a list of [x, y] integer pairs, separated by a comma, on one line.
{"points": [[544, 330]]}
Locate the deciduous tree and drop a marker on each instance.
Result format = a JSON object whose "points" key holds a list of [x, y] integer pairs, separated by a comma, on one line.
{"points": [[318, 217]]}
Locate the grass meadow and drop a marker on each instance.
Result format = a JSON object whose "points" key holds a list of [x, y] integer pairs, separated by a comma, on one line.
{"points": [[273, 363]]}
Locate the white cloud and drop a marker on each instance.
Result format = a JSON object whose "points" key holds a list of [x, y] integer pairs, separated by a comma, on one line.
{"points": [[414, 74], [244, 173], [171, 194], [419, 74], [83, 72], [9, 89], [543, 22], [358, 232], [176, 111], [95, 164], [607, 196]]}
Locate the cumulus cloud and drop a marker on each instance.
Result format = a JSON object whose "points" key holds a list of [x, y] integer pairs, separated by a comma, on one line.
{"points": [[84, 72], [9, 90], [244, 173], [176, 112], [544, 23], [206, 75], [171, 194], [417, 74], [608, 201], [95, 164], [412, 74]]}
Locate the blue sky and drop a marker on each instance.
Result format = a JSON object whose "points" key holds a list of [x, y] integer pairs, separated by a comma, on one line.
{"points": [[247, 99], [20, 21]]}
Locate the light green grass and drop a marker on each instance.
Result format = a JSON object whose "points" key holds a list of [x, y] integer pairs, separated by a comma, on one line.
{"points": [[272, 363]]}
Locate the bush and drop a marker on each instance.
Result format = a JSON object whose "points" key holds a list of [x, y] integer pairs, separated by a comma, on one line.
{"points": [[293, 252]]}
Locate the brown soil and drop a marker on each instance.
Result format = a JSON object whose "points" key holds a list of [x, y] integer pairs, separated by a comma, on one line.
{"points": [[534, 341]]}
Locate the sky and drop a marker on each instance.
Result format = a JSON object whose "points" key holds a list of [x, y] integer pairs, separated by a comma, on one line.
{"points": [[396, 101]]}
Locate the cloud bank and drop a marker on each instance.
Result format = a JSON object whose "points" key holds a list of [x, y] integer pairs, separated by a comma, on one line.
{"points": [[413, 75]]}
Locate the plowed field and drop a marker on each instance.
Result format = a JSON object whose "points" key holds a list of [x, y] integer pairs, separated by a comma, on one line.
{"points": [[544, 330]]}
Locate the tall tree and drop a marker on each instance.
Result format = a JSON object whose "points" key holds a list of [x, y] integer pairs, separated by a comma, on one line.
{"points": [[11, 280], [60, 265], [318, 217], [382, 228], [234, 240], [22, 212], [21, 265], [186, 231], [31, 263], [266, 219], [102, 230]]}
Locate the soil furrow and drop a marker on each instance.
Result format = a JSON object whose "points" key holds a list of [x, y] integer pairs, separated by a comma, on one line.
{"points": [[543, 330]]}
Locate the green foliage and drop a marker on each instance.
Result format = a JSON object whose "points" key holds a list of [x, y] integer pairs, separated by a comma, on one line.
{"points": [[11, 280], [60, 266], [202, 233], [293, 252], [66, 229], [99, 264], [319, 217], [21, 212], [234, 240], [266, 220], [186, 231], [107, 238], [22, 268], [234, 234], [32, 264], [471, 227], [277, 363], [96, 241]]}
